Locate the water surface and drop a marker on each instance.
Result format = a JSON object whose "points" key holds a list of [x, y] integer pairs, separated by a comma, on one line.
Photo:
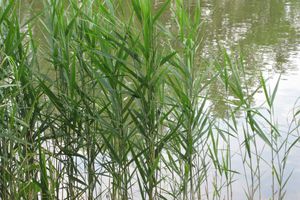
{"points": [[267, 33]]}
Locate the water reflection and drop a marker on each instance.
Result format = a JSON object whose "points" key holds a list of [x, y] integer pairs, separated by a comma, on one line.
{"points": [[267, 32]]}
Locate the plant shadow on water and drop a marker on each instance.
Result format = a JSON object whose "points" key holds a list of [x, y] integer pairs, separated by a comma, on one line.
{"points": [[149, 99]]}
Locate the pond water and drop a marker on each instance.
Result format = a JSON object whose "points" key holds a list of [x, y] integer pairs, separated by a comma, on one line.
{"points": [[267, 33]]}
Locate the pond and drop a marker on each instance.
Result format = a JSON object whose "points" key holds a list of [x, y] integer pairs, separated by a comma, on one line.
{"points": [[268, 34]]}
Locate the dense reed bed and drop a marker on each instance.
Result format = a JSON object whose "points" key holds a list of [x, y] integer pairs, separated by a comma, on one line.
{"points": [[115, 106]]}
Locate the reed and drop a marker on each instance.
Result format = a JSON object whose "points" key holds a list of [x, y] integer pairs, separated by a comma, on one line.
{"points": [[111, 107]]}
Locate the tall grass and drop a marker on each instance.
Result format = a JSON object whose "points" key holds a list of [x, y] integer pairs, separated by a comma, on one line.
{"points": [[123, 113], [187, 82]]}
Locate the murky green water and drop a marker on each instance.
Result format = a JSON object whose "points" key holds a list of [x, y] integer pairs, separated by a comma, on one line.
{"points": [[267, 34]]}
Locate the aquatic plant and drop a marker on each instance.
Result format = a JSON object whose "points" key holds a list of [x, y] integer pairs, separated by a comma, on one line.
{"points": [[113, 105]]}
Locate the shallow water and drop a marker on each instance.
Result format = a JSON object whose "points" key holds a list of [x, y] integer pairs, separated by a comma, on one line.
{"points": [[268, 35]]}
